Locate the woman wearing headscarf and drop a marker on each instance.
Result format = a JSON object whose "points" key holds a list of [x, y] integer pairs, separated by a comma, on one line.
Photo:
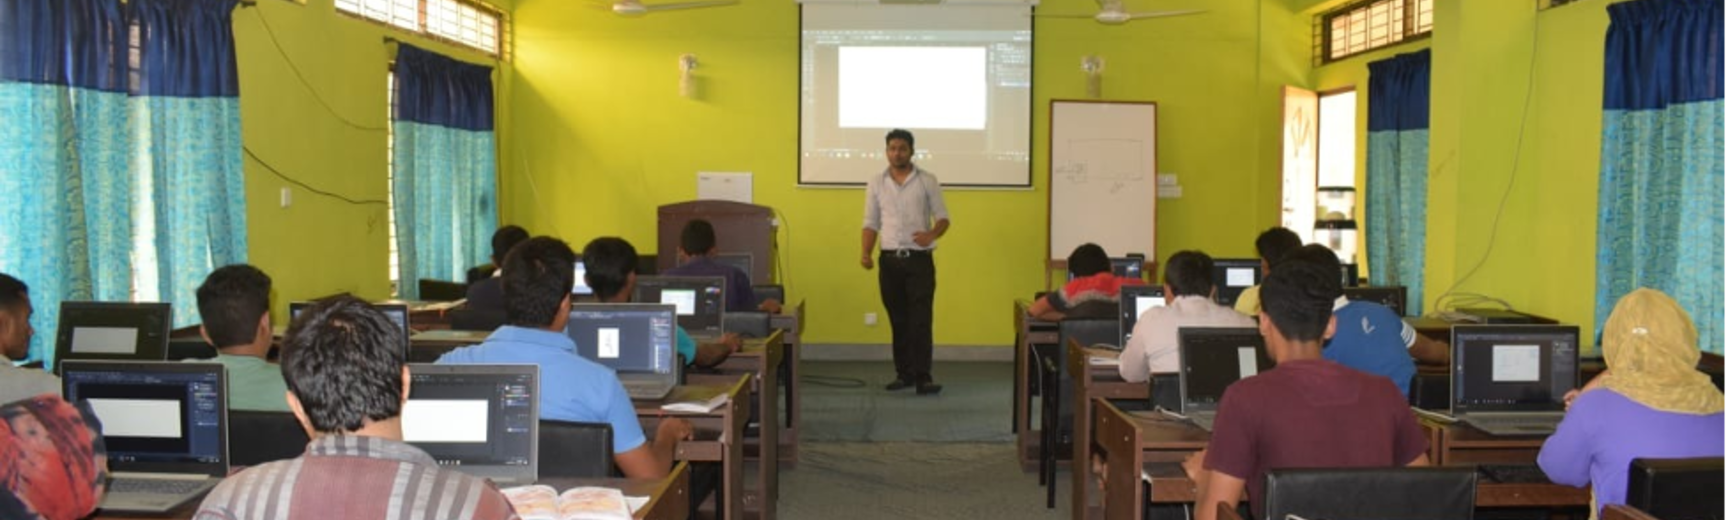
{"points": [[1651, 402]]}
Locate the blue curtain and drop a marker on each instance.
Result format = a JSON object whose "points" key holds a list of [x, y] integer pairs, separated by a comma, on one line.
{"points": [[444, 167], [65, 155], [1659, 216], [1397, 204]]}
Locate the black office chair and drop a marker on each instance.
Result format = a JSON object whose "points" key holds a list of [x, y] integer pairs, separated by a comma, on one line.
{"points": [[189, 348], [1676, 489], [485, 320], [575, 449], [748, 324], [258, 437], [767, 291], [1429, 493], [440, 290], [1166, 391], [1057, 438], [1050, 372]]}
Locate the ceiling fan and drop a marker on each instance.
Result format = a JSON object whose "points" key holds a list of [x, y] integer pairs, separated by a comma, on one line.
{"points": [[637, 8], [1111, 12]]}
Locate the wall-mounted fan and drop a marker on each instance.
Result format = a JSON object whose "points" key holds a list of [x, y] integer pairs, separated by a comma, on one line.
{"points": [[637, 8], [1111, 12]]}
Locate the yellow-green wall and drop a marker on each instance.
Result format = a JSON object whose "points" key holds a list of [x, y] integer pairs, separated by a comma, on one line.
{"points": [[602, 138], [319, 245]]}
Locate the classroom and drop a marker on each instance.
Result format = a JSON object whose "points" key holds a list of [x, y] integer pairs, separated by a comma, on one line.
{"points": [[1538, 160]]}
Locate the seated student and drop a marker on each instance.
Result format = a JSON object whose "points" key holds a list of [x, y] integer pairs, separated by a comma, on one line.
{"points": [[1307, 412], [1188, 291], [696, 247], [1272, 245], [234, 303], [487, 294], [1092, 281], [1371, 337], [52, 461], [612, 274], [1651, 402], [15, 333], [347, 384], [538, 276]]}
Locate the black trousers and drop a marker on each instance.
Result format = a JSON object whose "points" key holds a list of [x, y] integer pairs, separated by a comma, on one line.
{"points": [[908, 283]]}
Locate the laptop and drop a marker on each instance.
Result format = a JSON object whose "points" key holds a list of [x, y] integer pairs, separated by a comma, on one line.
{"points": [[1129, 267], [1232, 275], [483, 420], [581, 288], [1512, 379], [700, 301], [1136, 300], [1392, 297], [165, 426], [633, 339], [1211, 359], [398, 313], [113, 331], [741, 261]]}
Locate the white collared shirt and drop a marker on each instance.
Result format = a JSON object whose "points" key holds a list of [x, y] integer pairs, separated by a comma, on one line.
{"points": [[896, 211], [19, 383], [1153, 348]]}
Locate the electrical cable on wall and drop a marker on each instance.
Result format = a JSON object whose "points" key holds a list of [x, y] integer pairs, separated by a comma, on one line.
{"points": [[296, 70], [302, 185]]}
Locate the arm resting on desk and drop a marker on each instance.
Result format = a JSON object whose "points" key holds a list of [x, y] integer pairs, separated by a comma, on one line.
{"points": [[1430, 351], [653, 459], [1042, 310], [1218, 486]]}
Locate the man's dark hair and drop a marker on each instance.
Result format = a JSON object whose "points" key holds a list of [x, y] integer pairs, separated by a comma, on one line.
{"points": [[610, 262], [1298, 297], [1087, 260], [342, 359], [1321, 256], [697, 238], [1189, 273], [538, 274], [13, 292], [1274, 243], [901, 134], [505, 238], [230, 302]]}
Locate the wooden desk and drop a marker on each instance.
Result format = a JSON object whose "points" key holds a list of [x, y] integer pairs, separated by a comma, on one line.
{"points": [[720, 436], [1441, 330], [759, 361], [425, 347], [1092, 382], [791, 321], [1028, 332]]}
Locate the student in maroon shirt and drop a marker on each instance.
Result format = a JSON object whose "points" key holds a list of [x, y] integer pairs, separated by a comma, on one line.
{"points": [[1307, 412]]}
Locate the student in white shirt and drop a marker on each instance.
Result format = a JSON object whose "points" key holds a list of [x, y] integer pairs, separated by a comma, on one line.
{"points": [[15, 332], [1188, 292]]}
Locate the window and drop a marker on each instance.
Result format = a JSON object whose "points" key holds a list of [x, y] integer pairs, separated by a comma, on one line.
{"points": [[462, 22], [1319, 168], [1370, 24], [390, 180]]}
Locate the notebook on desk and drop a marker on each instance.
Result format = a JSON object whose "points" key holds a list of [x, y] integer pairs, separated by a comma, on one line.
{"points": [[483, 420], [1211, 360], [165, 426], [633, 339], [1512, 379]]}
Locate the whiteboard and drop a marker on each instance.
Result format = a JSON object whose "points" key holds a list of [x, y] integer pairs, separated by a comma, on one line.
{"points": [[1103, 176]]}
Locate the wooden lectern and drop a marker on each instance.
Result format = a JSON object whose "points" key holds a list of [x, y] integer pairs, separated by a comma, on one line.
{"points": [[740, 230]]}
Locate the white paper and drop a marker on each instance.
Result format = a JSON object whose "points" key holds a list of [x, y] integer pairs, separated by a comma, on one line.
{"points": [[1517, 363], [607, 341], [1246, 363]]}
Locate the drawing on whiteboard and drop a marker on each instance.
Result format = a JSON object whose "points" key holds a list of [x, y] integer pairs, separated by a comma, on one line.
{"points": [[1104, 160]]}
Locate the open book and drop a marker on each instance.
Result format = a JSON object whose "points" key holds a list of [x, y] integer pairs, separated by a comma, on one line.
{"points": [[695, 399], [581, 503]]}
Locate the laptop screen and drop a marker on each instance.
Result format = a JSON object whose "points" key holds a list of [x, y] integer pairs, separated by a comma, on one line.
{"points": [[1513, 367], [1391, 297], [698, 300], [480, 419], [626, 337], [742, 261], [1232, 275], [1213, 358], [1136, 300], [113, 330], [1128, 267], [397, 312], [581, 287], [156, 416]]}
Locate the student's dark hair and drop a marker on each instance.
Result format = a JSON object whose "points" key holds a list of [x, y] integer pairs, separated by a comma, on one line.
{"points": [[697, 238], [1298, 297], [1189, 273], [505, 238], [1087, 260], [1321, 256], [538, 275], [13, 292], [610, 262], [230, 302], [1274, 243], [902, 134], [343, 359]]}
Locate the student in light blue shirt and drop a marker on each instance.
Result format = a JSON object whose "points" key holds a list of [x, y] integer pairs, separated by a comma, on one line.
{"points": [[234, 303], [538, 276]]}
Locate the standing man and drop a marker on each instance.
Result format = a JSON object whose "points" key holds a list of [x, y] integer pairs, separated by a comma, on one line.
{"points": [[904, 206]]}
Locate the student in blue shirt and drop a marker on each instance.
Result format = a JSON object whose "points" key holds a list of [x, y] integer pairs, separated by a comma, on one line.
{"points": [[611, 263], [1370, 337], [538, 276]]}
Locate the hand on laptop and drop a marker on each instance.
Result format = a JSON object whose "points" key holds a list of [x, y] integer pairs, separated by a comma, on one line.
{"points": [[733, 342], [675, 428]]}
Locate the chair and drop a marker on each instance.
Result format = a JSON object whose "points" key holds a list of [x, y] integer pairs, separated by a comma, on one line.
{"points": [[1057, 435], [256, 437], [485, 320], [442, 291], [1676, 489], [776, 292], [1166, 391], [189, 348], [748, 324], [1050, 372], [575, 449], [1429, 493]]}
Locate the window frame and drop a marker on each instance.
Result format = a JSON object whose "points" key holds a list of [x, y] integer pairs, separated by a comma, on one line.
{"points": [[1410, 11], [423, 28]]}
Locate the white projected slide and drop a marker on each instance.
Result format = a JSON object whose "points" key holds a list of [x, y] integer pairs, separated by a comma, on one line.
{"points": [[1239, 277], [104, 340], [1246, 363], [1517, 363], [153, 418], [444, 420], [683, 299], [1143, 303], [607, 343], [877, 89]]}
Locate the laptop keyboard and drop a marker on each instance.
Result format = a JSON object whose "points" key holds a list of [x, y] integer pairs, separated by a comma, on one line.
{"points": [[154, 486], [1513, 473], [644, 389]]}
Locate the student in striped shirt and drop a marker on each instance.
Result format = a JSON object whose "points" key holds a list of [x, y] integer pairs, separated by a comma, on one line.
{"points": [[347, 383]]}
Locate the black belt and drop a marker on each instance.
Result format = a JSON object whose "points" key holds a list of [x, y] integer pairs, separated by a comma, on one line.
{"points": [[904, 253]]}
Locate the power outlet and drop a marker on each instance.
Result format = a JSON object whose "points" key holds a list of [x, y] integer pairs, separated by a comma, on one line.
{"points": [[287, 196], [870, 319]]}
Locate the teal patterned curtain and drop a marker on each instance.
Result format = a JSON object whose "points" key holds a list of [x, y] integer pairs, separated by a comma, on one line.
{"points": [[1659, 221], [1397, 205], [444, 167]]}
